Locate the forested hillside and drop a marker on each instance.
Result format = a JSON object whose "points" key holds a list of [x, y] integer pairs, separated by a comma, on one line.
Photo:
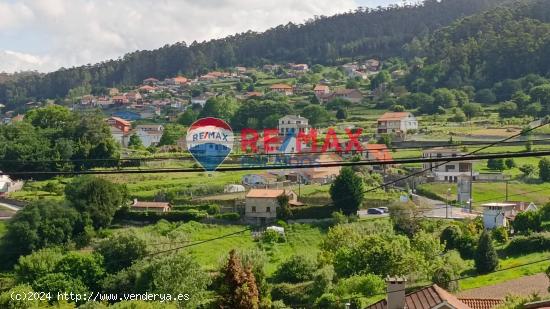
{"points": [[381, 32], [483, 49]]}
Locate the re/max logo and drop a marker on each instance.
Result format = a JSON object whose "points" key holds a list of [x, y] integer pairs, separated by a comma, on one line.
{"points": [[271, 139], [211, 136]]}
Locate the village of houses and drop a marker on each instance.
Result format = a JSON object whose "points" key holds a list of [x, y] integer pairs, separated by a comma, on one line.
{"points": [[258, 192]]}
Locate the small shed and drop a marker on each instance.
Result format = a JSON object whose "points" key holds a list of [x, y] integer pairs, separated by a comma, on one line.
{"points": [[278, 229], [233, 189]]}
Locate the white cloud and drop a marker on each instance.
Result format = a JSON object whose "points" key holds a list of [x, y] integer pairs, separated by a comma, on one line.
{"points": [[87, 31], [14, 14], [11, 61]]}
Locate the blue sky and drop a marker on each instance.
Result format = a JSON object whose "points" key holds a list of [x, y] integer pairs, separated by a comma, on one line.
{"points": [[44, 35]]}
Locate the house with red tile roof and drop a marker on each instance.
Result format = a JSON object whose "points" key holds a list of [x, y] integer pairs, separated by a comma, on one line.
{"points": [[321, 174], [261, 204], [151, 206], [178, 81], [431, 297], [396, 122], [282, 88], [321, 90], [147, 88], [150, 81]]}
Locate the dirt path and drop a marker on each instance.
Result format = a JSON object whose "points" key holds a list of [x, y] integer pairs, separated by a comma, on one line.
{"points": [[523, 286]]}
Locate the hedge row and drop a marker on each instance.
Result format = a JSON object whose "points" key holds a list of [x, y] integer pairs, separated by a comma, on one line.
{"points": [[429, 194], [172, 216], [230, 216], [537, 242], [313, 212]]}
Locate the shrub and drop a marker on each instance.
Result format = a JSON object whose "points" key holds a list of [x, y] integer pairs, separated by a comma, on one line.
{"points": [[322, 281], [121, 250], [213, 209], [450, 236], [339, 218], [296, 294], [313, 212], [366, 285], [445, 278], [271, 236], [186, 215], [537, 242], [327, 301], [527, 222], [230, 216], [500, 234], [296, 269]]}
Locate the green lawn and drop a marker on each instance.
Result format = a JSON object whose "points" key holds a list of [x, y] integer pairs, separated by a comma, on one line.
{"points": [[302, 239], [142, 186], [503, 276], [496, 191]]}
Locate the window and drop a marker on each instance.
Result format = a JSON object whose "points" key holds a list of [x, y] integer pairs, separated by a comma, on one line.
{"points": [[268, 209], [253, 208]]}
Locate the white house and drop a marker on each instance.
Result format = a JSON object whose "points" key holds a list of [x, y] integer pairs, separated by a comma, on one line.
{"points": [[200, 100], [397, 122], [501, 214], [292, 125], [7, 185], [495, 214], [149, 134], [451, 171], [258, 179], [233, 189]]}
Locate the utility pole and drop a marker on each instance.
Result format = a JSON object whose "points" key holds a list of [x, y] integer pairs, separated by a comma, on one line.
{"points": [[471, 185], [449, 202], [506, 191], [447, 207]]}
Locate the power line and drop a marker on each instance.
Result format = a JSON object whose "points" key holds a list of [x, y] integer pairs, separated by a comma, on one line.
{"points": [[417, 288], [252, 155], [543, 123], [445, 160]]}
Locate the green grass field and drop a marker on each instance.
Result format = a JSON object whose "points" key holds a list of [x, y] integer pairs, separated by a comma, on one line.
{"points": [[503, 276], [496, 192], [302, 239]]}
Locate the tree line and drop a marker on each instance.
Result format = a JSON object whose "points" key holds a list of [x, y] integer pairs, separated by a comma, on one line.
{"points": [[379, 32]]}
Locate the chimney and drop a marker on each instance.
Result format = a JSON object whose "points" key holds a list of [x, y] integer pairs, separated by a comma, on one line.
{"points": [[396, 292]]}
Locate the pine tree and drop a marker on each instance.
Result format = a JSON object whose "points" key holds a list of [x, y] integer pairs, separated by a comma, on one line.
{"points": [[544, 170], [486, 258], [347, 191], [239, 289]]}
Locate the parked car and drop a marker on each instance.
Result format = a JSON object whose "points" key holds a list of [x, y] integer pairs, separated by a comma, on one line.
{"points": [[384, 209], [375, 211]]}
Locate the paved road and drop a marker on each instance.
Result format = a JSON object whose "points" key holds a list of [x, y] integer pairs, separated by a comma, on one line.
{"points": [[439, 210], [6, 215], [10, 207], [363, 214]]}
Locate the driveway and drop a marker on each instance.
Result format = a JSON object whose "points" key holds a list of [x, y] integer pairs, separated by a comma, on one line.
{"points": [[440, 209], [10, 207], [7, 211]]}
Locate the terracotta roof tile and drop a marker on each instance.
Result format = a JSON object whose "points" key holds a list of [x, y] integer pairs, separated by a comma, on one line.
{"points": [[480, 303], [281, 86], [139, 204], [394, 116], [265, 193], [432, 296]]}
